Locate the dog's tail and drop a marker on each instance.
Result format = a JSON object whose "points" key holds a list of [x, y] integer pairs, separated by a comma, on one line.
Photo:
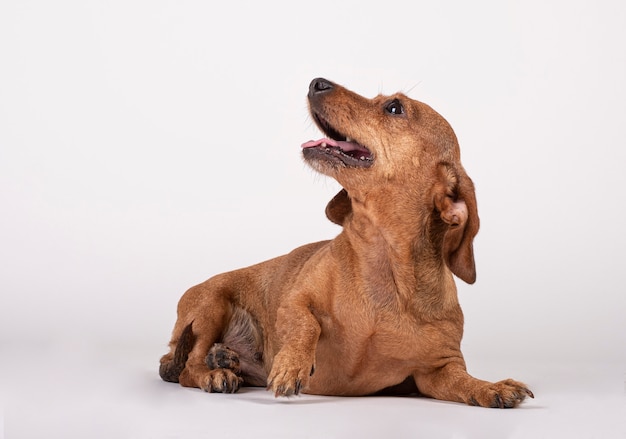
{"points": [[172, 367]]}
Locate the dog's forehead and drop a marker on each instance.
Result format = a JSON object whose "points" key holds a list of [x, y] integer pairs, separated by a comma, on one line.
{"points": [[426, 120], [385, 98]]}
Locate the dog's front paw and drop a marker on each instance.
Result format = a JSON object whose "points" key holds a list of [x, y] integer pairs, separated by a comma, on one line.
{"points": [[503, 394], [289, 375]]}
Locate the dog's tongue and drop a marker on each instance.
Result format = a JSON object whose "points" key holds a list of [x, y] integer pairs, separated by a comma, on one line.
{"points": [[343, 145]]}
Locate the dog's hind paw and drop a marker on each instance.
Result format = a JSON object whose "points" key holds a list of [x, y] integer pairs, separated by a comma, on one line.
{"points": [[224, 376], [221, 381], [222, 357]]}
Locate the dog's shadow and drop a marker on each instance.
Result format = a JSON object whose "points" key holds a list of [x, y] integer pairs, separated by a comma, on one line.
{"points": [[259, 395]]}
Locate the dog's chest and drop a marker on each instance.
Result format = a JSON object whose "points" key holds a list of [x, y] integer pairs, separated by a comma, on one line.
{"points": [[353, 361], [375, 342]]}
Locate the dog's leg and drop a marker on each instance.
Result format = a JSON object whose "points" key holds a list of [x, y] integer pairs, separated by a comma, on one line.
{"points": [[294, 364], [452, 383], [214, 377], [198, 373], [203, 313]]}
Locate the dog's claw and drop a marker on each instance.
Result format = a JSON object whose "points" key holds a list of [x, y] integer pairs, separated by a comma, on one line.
{"points": [[280, 390], [529, 393], [499, 401], [298, 387]]}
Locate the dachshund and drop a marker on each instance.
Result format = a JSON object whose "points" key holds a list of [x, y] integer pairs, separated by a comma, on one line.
{"points": [[376, 308]]}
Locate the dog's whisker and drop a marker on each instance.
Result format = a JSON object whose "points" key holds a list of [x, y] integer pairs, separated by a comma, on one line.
{"points": [[413, 87]]}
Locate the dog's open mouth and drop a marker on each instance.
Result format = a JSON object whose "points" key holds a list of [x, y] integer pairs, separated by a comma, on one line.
{"points": [[337, 147]]}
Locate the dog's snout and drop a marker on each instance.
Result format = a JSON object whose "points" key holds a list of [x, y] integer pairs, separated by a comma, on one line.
{"points": [[320, 85]]}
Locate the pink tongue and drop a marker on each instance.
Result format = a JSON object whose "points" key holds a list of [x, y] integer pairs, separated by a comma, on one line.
{"points": [[344, 146]]}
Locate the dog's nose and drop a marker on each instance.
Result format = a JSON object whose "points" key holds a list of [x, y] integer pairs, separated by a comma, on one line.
{"points": [[320, 85]]}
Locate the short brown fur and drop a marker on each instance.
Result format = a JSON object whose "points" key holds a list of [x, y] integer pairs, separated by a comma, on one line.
{"points": [[374, 309]]}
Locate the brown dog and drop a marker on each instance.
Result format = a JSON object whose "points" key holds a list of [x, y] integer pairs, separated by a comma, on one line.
{"points": [[376, 308]]}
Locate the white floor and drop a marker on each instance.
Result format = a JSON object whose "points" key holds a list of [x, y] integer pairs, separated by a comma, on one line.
{"points": [[110, 392]]}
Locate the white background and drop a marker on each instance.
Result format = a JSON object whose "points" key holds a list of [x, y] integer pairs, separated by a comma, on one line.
{"points": [[147, 145]]}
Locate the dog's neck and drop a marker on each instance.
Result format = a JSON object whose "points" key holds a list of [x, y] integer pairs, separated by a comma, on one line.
{"points": [[390, 242]]}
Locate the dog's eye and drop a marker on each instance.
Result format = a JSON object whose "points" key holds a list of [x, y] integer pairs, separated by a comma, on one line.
{"points": [[394, 107]]}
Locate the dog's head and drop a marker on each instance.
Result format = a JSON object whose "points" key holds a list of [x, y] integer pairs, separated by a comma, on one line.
{"points": [[397, 147]]}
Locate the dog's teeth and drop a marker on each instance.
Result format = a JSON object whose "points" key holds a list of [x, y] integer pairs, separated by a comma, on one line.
{"points": [[324, 145], [348, 139], [362, 157]]}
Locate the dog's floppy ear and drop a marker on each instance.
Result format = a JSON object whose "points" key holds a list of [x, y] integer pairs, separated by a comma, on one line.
{"points": [[456, 203], [339, 207]]}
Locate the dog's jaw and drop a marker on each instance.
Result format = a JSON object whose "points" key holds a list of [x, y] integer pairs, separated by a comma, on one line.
{"points": [[346, 152], [336, 149]]}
